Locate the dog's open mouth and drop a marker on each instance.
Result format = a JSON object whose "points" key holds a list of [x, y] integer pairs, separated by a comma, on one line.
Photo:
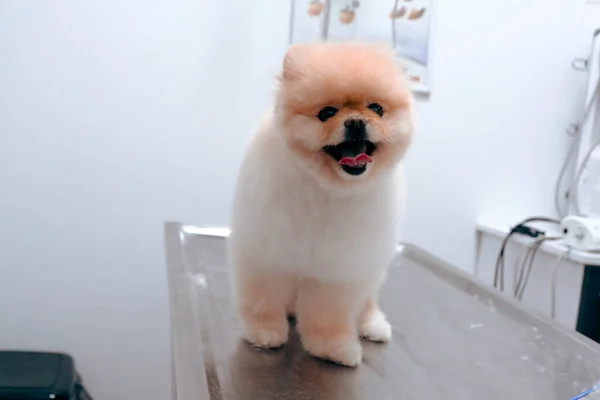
{"points": [[352, 155]]}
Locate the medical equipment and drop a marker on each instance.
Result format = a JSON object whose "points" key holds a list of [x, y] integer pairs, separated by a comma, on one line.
{"points": [[581, 196], [581, 233]]}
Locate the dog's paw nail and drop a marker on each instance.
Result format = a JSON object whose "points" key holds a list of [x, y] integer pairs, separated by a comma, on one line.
{"points": [[378, 330], [266, 338]]}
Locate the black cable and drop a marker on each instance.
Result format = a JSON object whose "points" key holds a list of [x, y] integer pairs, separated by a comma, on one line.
{"points": [[522, 229], [527, 265], [527, 272], [520, 267]]}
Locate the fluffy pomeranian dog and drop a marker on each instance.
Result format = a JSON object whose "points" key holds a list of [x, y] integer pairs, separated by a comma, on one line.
{"points": [[319, 199]]}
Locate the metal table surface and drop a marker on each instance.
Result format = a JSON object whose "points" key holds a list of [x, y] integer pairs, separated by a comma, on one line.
{"points": [[453, 338]]}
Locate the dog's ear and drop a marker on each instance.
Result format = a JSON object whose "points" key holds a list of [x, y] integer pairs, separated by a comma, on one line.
{"points": [[294, 61]]}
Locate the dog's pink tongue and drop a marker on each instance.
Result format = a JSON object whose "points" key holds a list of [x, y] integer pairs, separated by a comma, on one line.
{"points": [[359, 160]]}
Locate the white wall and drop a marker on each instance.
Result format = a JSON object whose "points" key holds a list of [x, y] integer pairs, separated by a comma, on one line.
{"points": [[115, 116], [491, 137]]}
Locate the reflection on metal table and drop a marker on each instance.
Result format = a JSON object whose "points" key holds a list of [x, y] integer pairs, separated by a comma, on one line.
{"points": [[453, 338]]}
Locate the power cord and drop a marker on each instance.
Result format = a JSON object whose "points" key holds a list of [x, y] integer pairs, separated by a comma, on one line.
{"points": [[571, 193], [527, 265], [519, 262], [558, 193], [526, 259], [574, 191], [523, 229], [521, 265]]}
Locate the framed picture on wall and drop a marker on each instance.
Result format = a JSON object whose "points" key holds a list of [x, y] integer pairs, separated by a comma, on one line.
{"points": [[405, 24]]}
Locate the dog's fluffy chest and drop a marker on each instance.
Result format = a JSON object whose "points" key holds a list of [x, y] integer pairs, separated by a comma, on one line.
{"points": [[284, 221], [331, 238]]}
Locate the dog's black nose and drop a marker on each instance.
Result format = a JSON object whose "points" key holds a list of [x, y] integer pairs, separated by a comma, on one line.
{"points": [[355, 129], [355, 123]]}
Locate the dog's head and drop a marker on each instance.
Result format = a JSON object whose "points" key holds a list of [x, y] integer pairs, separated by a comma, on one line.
{"points": [[345, 110]]}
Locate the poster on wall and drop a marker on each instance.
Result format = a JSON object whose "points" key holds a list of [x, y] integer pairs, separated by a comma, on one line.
{"points": [[404, 24]]}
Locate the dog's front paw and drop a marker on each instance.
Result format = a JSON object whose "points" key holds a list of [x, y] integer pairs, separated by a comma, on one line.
{"points": [[376, 330], [341, 350], [266, 337]]}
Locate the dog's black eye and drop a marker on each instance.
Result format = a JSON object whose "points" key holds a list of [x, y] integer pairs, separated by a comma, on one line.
{"points": [[326, 113], [377, 108]]}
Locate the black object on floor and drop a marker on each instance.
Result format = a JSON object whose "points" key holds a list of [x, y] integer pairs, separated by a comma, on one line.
{"points": [[36, 376], [588, 321]]}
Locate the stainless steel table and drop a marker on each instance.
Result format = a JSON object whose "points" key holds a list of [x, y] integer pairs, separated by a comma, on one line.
{"points": [[453, 338]]}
